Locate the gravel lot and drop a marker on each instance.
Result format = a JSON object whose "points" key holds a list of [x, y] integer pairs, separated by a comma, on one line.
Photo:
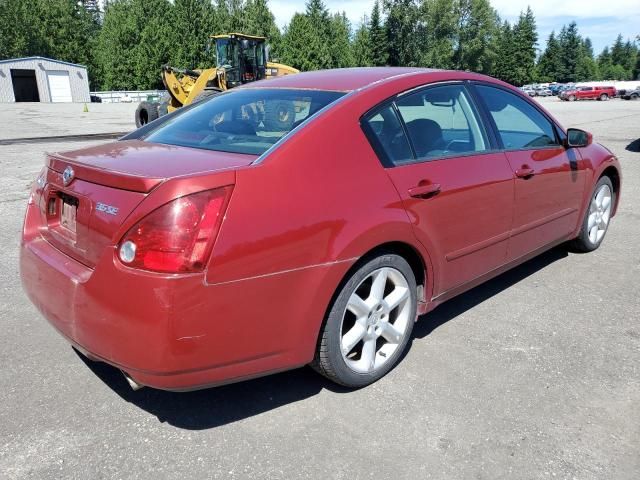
{"points": [[533, 375]]}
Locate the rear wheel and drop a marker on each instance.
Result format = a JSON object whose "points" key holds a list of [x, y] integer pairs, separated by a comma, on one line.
{"points": [[597, 217], [145, 113], [604, 97], [369, 323]]}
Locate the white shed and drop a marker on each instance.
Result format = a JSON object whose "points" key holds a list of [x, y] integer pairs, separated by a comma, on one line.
{"points": [[39, 79]]}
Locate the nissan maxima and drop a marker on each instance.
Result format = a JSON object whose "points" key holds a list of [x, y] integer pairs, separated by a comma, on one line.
{"points": [[303, 220]]}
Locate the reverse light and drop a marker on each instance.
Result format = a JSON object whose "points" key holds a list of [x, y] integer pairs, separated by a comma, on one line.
{"points": [[178, 236], [128, 251]]}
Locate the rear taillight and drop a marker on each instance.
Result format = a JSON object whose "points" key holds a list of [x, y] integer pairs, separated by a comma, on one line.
{"points": [[177, 237]]}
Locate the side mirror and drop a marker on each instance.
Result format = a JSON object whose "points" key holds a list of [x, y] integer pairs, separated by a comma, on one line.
{"points": [[578, 138]]}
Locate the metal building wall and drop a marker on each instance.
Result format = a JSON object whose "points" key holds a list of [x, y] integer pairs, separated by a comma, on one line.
{"points": [[78, 79]]}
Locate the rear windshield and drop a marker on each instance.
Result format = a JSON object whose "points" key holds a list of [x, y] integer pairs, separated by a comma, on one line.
{"points": [[243, 121]]}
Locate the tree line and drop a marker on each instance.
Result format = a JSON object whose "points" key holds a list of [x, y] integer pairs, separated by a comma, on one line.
{"points": [[126, 42]]}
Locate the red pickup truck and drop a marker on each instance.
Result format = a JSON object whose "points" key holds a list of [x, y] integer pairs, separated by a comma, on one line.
{"points": [[588, 93]]}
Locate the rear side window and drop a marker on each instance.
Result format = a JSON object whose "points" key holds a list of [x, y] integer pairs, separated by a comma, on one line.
{"points": [[386, 133], [243, 121], [520, 125], [440, 121]]}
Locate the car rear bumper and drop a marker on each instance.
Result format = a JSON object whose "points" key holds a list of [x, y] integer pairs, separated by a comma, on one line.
{"points": [[177, 332]]}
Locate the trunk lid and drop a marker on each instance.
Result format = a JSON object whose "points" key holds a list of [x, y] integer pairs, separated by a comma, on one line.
{"points": [[81, 217]]}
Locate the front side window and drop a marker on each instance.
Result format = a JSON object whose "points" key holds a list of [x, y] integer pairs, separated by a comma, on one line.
{"points": [[520, 125], [440, 121], [242, 121]]}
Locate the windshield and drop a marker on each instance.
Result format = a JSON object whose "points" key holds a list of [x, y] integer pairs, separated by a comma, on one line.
{"points": [[227, 53], [243, 121]]}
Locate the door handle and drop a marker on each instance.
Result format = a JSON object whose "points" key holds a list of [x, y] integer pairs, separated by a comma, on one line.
{"points": [[425, 191], [525, 172]]}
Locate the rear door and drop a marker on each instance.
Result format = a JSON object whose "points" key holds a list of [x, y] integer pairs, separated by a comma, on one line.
{"points": [[457, 190], [549, 182]]}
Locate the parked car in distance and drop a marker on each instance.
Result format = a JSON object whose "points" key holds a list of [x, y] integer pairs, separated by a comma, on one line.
{"points": [[588, 93], [555, 88], [209, 246], [631, 94], [543, 92], [529, 90]]}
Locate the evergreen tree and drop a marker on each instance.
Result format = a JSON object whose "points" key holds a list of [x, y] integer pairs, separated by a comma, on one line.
{"points": [[550, 67], [505, 66], [630, 54], [306, 43], [604, 63], [224, 22], [378, 38], [525, 38], [133, 43], [617, 51], [571, 49], [402, 32], [191, 27], [475, 35], [437, 31], [587, 67], [362, 51], [342, 55], [618, 63]]}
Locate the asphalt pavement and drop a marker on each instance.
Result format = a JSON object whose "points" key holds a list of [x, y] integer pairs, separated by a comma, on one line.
{"points": [[533, 375]]}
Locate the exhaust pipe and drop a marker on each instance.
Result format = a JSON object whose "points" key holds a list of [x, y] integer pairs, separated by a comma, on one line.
{"points": [[135, 386]]}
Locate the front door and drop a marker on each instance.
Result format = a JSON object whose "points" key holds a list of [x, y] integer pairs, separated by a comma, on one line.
{"points": [[548, 183], [457, 192]]}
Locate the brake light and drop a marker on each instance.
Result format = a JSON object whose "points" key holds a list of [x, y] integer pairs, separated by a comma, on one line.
{"points": [[178, 236]]}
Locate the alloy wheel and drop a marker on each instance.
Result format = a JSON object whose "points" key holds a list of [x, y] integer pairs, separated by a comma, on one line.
{"points": [[599, 214], [376, 320]]}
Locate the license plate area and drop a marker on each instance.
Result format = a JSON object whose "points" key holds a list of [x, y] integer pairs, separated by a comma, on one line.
{"points": [[68, 211]]}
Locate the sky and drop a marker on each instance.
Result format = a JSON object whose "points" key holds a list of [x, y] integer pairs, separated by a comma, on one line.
{"points": [[601, 20]]}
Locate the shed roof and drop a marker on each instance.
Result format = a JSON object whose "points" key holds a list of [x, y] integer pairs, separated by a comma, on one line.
{"points": [[12, 60]]}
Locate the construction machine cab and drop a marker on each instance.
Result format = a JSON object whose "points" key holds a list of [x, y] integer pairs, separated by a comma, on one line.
{"points": [[239, 58], [243, 57]]}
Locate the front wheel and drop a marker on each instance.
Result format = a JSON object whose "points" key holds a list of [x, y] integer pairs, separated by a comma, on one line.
{"points": [[604, 97], [596, 219], [572, 98], [369, 323]]}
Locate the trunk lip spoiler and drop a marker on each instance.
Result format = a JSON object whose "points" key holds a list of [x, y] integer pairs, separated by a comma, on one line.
{"points": [[103, 176]]}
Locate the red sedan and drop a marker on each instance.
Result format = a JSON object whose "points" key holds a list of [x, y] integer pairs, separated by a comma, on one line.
{"points": [[307, 219]]}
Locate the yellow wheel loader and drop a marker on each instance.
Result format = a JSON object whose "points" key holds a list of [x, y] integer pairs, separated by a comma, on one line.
{"points": [[240, 59]]}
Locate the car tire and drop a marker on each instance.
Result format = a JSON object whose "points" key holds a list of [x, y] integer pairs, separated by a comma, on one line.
{"points": [[280, 115], [634, 96], [206, 93], [146, 112], [597, 217], [362, 339], [604, 97], [571, 98]]}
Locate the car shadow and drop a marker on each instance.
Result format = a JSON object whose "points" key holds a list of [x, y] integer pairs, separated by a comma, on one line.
{"points": [[226, 404], [466, 301], [634, 146]]}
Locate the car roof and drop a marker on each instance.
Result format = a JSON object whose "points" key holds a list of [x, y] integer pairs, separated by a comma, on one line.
{"points": [[340, 79]]}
